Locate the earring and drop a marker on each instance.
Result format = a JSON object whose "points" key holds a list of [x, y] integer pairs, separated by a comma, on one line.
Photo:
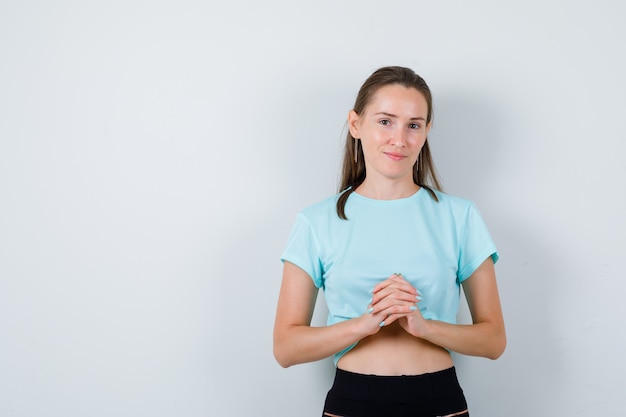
{"points": [[356, 149]]}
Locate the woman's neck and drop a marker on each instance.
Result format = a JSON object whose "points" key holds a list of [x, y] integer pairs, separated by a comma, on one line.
{"points": [[387, 190]]}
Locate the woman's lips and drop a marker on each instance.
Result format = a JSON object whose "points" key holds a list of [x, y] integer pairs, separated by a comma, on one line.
{"points": [[395, 156]]}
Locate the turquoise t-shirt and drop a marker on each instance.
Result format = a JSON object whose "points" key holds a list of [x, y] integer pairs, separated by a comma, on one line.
{"points": [[434, 245]]}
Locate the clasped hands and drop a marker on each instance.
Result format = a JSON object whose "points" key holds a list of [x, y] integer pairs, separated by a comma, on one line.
{"points": [[394, 299]]}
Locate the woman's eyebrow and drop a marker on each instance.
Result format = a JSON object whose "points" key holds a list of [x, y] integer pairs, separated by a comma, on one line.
{"points": [[384, 113]]}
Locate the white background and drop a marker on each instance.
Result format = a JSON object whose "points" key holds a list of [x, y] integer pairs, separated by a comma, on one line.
{"points": [[153, 155]]}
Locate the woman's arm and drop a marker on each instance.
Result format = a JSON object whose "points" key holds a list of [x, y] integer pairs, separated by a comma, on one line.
{"points": [[295, 341], [486, 337]]}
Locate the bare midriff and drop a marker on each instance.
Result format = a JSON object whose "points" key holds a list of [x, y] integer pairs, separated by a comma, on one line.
{"points": [[392, 351]]}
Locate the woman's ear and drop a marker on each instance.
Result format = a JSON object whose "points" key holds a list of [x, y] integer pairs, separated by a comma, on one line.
{"points": [[353, 124]]}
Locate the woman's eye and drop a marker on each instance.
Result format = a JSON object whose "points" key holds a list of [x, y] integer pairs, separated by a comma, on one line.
{"points": [[414, 126], [385, 122]]}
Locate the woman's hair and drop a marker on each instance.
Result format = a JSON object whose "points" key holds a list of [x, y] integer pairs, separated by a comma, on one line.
{"points": [[353, 173]]}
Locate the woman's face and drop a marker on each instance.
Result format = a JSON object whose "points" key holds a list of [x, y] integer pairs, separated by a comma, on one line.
{"points": [[392, 130]]}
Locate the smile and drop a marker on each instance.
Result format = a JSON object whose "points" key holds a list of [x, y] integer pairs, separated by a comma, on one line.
{"points": [[395, 156]]}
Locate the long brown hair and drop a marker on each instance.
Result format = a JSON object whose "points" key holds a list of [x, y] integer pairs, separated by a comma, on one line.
{"points": [[353, 173]]}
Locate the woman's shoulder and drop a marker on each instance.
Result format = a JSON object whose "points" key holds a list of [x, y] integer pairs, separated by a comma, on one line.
{"points": [[322, 208], [451, 198], [452, 202]]}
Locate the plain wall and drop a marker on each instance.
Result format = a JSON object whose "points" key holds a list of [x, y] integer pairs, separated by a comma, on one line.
{"points": [[154, 154]]}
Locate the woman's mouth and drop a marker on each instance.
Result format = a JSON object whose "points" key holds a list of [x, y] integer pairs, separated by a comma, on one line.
{"points": [[395, 156]]}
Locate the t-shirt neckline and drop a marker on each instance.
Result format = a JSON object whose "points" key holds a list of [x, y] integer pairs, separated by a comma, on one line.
{"points": [[393, 201]]}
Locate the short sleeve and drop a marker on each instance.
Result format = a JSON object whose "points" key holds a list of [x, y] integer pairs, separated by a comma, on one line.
{"points": [[476, 244], [302, 250]]}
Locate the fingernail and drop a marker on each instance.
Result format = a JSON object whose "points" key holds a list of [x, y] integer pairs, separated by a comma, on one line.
{"points": [[369, 310], [398, 274], [382, 323], [412, 308], [418, 297]]}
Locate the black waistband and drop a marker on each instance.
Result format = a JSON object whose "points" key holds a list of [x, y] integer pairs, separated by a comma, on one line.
{"points": [[407, 388]]}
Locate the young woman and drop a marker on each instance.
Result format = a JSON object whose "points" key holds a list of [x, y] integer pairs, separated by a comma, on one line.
{"points": [[390, 252]]}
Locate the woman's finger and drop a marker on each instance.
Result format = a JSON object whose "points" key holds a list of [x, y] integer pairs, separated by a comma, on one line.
{"points": [[401, 293], [390, 305], [394, 281]]}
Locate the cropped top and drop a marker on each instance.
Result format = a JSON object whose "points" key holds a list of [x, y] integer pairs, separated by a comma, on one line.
{"points": [[435, 245]]}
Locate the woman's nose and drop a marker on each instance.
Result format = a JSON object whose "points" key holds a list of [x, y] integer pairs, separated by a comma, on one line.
{"points": [[399, 138]]}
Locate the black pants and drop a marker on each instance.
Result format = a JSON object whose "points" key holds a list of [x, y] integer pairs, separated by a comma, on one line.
{"points": [[428, 395]]}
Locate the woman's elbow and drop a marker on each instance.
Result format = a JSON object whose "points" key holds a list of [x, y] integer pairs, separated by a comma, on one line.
{"points": [[498, 346], [281, 352], [281, 357]]}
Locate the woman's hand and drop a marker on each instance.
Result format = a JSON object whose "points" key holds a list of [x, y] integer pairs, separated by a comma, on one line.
{"points": [[392, 299]]}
